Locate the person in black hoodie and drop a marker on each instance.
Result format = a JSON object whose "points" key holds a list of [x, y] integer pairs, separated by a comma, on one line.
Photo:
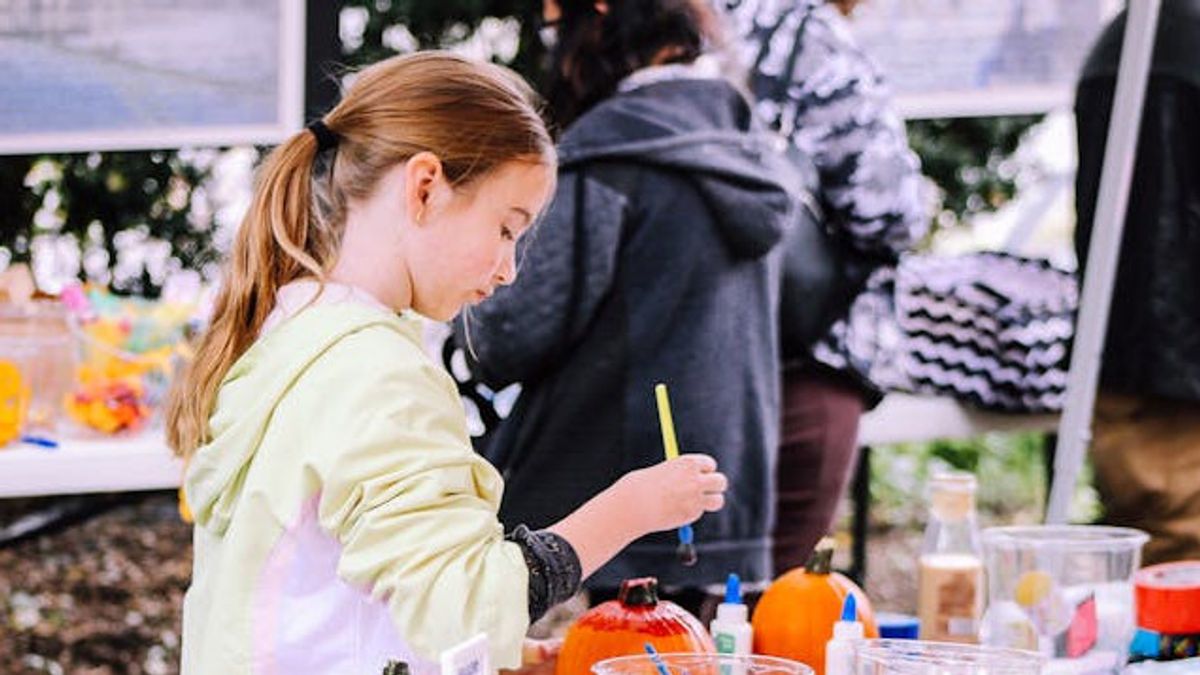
{"points": [[1146, 434], [658, 261]]}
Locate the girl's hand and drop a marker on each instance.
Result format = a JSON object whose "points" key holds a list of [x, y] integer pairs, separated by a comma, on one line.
{"points": [[660, 497], [673, 493]]}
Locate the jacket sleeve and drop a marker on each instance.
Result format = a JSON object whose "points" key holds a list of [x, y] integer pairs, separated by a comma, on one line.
{"points": [[565, 270], [837, 109], [414, 508]]}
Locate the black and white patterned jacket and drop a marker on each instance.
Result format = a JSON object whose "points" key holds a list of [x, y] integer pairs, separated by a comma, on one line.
{"points": [[835, 106]]}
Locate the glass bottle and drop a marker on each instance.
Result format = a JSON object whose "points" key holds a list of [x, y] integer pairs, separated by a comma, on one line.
{"points": [[950, 571]]}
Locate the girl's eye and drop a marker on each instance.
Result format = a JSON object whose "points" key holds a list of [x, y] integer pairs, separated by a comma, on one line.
{"points": [[506, 234]]}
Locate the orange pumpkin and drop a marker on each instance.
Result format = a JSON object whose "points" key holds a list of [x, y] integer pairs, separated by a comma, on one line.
{"points": [[622, 627], [795, 616]]}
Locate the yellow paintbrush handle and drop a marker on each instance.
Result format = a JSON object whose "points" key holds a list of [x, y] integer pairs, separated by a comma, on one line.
{"points": [[670, 445]]}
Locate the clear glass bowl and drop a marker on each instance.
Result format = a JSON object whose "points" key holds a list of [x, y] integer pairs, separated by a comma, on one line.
{"points": [[913, 657], [700, 664]]}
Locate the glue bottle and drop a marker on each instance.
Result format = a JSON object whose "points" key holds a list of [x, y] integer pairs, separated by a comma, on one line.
{"points": [[731, 630], [839, 652]]}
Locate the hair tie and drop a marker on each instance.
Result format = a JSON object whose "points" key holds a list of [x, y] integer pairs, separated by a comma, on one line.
{"points": [[326, 138]]}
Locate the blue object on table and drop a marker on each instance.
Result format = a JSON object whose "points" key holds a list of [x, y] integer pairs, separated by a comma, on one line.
{"points": [[658, 662], [40, 441], [1145, 644], [898, 626]]}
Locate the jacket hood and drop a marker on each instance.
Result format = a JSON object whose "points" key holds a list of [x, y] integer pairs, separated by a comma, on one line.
{"points": [[248, 396], [705, 129]]}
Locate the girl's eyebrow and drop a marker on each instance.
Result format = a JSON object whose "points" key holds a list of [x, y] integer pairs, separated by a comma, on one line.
{"points": [[527, 215]]}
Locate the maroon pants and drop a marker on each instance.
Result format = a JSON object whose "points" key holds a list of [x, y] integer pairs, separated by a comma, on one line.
{"points": [[817, 453]]}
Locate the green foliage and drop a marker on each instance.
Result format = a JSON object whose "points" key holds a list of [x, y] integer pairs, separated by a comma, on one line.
{"points": [[442, 24], [968, 158], [1010, 467]]}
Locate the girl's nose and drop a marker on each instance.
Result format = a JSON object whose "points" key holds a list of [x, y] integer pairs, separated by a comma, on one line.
{"points": [[506, 273]]}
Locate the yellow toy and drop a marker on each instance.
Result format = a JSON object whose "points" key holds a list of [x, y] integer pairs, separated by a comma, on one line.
{"points": [[14, 402]]}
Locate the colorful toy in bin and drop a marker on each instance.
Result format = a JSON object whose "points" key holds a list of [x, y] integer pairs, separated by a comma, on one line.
{"points": [[130, 348], [109, 407], [14, 401], [626, 625], [795, 616]]}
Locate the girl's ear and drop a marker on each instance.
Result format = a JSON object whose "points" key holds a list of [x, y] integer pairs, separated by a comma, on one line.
{"points": [[601, 7], [422, 176]]}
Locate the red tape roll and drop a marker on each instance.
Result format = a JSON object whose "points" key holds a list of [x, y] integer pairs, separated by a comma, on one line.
{"points": [[1168, 597]]}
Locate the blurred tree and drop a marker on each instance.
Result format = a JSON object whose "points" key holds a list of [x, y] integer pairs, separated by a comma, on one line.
{"points": [[966, 158], [93, 198]]}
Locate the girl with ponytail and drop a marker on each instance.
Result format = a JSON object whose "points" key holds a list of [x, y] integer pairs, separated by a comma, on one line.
{"points": [[342, 518]]}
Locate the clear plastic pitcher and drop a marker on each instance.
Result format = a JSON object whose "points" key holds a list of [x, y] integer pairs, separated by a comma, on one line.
{"points": [[916, 657], [1063, 591], [700, 664]]}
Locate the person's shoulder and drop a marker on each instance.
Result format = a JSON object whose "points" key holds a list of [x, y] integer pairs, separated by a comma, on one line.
{"points": [[356, 341], [390, 345]]}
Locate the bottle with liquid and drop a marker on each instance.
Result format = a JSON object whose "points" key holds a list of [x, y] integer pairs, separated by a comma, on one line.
{"points": [[950, 571]]}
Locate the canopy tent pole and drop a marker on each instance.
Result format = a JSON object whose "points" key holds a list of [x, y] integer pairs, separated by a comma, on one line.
{"points": [[1074, 431]]}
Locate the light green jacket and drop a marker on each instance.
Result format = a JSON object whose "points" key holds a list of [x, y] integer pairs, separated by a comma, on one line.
{"points": [[342, 517]]}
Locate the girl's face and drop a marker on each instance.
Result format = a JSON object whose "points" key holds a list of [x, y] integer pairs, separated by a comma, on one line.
{"points": [[471, 239]]}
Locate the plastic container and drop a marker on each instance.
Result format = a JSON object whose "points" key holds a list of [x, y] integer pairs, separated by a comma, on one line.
{"points": [[700, 664], [37, 339], [915, 657], [1063, 591]]}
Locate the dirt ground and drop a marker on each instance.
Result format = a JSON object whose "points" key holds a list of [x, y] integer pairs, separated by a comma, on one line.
{"points": [[105, 595]]}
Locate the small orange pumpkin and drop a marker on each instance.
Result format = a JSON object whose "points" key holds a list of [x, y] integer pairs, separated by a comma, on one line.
{"points": [[795, 616], [622, 627]]}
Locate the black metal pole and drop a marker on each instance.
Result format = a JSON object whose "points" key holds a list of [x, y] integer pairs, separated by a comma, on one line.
{"points": [[322, 51], [861, 494]]}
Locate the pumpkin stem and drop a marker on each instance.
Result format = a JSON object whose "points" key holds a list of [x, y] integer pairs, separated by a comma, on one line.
{"points": [[394, 667], [821, 560], [641, 592]]}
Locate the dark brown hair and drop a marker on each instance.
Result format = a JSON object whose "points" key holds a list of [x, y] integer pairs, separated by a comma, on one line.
{"points": [[597, 50]]}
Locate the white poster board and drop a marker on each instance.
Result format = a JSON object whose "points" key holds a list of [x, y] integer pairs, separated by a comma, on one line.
{"points": [[139, 74], [959, 58]]}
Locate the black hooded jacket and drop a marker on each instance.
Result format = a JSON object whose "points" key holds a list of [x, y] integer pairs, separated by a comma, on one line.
{"points": [[658, 261], [1153, 342]]}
